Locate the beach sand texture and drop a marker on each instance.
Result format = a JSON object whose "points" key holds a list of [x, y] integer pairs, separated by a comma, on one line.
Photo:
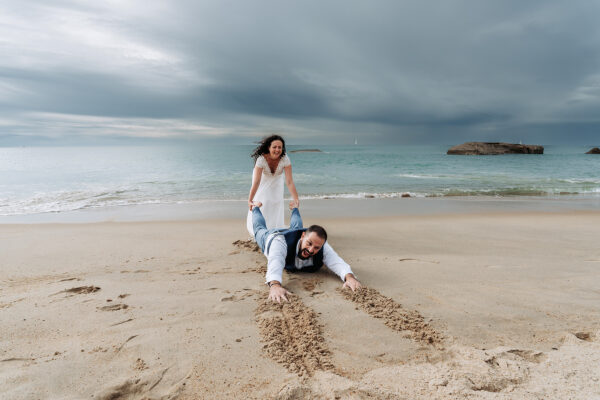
{"points": [[479, 306]]}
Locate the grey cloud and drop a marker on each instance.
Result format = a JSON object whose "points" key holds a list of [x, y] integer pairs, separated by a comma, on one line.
{"points": [[442, 69]]}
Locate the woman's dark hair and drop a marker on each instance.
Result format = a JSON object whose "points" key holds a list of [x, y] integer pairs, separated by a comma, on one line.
{"points": [[264, 144]]}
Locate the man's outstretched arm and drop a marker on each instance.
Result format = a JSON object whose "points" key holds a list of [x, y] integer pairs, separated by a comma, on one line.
{"points": [[338, 266], [275, 263]]}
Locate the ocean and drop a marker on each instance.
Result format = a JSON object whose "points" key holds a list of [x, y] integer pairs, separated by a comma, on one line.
{"points": [[58, 179]]}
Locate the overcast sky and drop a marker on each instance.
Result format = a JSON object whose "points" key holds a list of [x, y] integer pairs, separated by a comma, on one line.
{"points": [[315, 71]]}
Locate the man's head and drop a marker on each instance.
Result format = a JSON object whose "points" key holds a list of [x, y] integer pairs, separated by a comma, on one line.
{"points": [[311, 241]]}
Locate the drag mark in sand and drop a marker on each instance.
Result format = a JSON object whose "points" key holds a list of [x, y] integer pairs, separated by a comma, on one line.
{"points": [[394, 315], [293, 336], [17, 359], [122, 322], [6, 305], [125, 342]]}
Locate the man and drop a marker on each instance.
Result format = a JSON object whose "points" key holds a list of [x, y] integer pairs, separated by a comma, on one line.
{"points": [[296, 249]]}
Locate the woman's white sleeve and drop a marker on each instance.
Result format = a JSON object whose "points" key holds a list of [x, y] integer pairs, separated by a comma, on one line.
{"points": [[286, 161], [261, 163]]}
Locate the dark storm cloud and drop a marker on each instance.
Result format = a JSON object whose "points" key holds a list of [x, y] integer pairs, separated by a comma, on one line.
{"points": [[403, 71]]}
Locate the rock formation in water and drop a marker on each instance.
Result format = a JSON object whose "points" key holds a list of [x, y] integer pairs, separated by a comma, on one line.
{"points": [[494, 148], [595, 150]]}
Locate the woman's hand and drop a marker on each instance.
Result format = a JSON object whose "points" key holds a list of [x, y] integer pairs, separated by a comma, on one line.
{"points": [[252, 204], [294, 204]]}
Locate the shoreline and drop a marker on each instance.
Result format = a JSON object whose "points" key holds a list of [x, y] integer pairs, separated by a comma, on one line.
{"points": [[316, 208]]}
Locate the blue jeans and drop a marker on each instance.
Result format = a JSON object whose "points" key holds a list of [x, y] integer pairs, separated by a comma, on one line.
{"points": [[261, 233]]}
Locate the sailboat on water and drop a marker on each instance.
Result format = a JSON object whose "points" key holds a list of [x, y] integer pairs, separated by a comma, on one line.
{"points": [[355, 140]]}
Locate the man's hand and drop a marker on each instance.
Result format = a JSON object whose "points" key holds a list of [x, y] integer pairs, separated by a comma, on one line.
{"points": [[294, 204], [351, 282], [277, 293]]}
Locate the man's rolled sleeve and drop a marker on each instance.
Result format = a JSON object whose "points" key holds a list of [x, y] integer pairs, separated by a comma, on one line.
{"points": [[276, 259], [335, 262]]}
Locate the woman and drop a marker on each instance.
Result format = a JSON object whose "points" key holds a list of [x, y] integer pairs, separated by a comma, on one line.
{"points": [[271, 163]]}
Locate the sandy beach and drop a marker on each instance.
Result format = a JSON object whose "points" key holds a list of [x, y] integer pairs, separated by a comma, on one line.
{"points": [[479, 306], [450, 150]]}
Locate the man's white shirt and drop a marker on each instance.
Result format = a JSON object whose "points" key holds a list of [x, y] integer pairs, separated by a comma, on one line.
{"points": [[277, 252]]}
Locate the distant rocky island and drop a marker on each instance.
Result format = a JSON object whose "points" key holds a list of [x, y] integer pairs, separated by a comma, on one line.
{"points": [[595, 150], [494, 148], [306, 151]]}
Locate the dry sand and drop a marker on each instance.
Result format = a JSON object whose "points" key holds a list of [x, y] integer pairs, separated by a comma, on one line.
{"points": [[496, 306]]}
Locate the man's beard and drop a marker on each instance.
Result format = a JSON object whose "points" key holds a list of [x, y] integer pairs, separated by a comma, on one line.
{"points": [[302, 254]]}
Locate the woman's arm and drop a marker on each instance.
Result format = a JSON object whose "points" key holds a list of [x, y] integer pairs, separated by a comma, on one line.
{"points": [[256, 175], [289, 181]]}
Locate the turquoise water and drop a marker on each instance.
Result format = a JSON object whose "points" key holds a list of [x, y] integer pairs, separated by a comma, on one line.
{"points": [[54, 179]]}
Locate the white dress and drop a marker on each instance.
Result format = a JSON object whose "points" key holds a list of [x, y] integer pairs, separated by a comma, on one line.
{"points": [[270, 194]]}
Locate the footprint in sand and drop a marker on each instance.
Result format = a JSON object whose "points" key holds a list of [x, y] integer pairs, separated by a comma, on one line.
{"points": [[138, 387], [79, 290], [529, 355], [190, 271], [70, 279], [140, 365], [279, 325], [417, 260], [310, 284], [586, 336], [245, 293], [259, 268], [249, 244], [114, 307], [394, 315], [504, 266]]}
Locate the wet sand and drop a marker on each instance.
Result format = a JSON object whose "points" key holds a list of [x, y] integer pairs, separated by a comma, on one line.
{"points": [[482, 306], [317, 208]]}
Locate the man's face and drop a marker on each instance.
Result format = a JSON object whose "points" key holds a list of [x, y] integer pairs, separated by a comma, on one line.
{"points": [[310, 245]]}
